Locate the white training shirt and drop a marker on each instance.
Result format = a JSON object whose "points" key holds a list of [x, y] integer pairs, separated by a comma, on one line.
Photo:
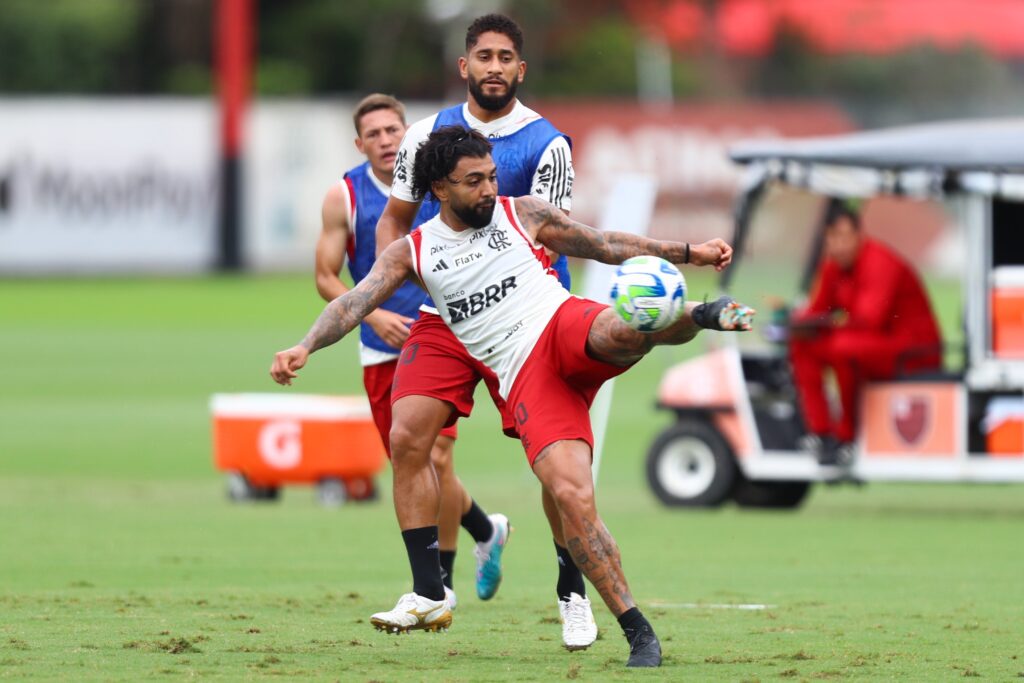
{"points": [[493, 286], [556, 188]]}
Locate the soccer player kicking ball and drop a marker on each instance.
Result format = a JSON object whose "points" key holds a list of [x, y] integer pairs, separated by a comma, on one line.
{"points": [[550, 351], [434, 383], [351, 209]]}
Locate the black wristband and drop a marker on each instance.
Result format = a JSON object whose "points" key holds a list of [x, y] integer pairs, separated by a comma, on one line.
{"points": [[687, 259]]}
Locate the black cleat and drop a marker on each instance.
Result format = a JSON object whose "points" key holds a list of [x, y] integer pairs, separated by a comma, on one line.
{"points": [[724, 314], [846, 453], [826, 451], [644, 648]]}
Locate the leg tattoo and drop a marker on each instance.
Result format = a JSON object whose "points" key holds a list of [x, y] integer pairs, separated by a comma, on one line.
{"points": [[597, 556]]}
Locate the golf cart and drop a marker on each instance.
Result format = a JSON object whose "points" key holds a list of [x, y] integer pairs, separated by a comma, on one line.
{"points": [[738, 429]]}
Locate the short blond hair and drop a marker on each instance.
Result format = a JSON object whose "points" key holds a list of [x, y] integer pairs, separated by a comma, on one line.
{"points": [[375, 102]]}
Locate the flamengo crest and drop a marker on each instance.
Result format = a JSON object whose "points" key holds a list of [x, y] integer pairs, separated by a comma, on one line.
{"points": [[911, 417]]}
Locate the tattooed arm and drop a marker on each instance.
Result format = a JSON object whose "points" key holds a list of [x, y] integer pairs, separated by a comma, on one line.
{"points": [[552, 228], [342, 315]]}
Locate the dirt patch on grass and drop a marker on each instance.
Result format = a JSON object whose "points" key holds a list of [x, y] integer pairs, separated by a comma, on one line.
{"points": [[715, 659], [175, 645]]}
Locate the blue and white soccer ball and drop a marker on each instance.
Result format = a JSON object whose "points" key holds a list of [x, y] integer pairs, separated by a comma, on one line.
{"points": [[648, 293]]}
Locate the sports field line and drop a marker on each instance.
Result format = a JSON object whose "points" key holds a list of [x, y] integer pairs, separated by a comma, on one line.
{"points": [[711, 605]]}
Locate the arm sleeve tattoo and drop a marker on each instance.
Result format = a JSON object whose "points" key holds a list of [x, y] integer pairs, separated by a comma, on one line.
{"points": [[343, 314], [557, 231]]}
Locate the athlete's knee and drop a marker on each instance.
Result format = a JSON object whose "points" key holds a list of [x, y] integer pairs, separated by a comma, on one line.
{"points": [[409, 444], [633, 343], [574, 496], [612, 341]]}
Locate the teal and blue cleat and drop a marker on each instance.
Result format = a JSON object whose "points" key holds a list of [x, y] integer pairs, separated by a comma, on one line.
{"points": [[488, 558]]}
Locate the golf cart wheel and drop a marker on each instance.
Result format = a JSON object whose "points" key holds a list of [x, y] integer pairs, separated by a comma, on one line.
{"points": [[331, 492], [240, 489], [780, 495], [691, 464]]}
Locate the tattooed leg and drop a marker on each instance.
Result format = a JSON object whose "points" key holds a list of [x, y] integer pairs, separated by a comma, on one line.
{"points": [[564, 470]]}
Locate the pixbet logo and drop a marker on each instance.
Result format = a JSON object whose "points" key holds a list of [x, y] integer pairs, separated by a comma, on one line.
{"points": [[280, 444]]}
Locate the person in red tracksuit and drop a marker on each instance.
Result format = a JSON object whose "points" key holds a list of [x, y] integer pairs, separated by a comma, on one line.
{"points": [[868, 318]]}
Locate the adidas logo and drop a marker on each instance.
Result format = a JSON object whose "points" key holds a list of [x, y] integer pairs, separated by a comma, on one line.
{"points": [[433, 546], [441, 265]]}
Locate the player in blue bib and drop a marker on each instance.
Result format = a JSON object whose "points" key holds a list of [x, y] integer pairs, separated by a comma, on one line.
{"points": [[520, 158]]}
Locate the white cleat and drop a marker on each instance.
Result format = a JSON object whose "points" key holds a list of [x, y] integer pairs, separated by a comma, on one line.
{"points": [[412, 613], [449, 595], [579, 630]]}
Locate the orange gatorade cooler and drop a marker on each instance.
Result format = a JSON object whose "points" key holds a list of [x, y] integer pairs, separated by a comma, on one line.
{"points": [[266, 440], [1008, 312]]}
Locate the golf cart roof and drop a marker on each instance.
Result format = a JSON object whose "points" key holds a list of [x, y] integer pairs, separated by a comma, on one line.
{"points": [[981, 156]]}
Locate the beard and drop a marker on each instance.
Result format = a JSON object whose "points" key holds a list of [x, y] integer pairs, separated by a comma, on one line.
{"points": [[476, 217], [492, 102]]}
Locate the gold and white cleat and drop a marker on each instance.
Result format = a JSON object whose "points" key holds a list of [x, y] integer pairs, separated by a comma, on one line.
{"points": [[414, 613]]}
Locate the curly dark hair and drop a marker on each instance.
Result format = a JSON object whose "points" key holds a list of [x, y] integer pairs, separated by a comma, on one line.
{"points": [[498, 23], [440, 154]]}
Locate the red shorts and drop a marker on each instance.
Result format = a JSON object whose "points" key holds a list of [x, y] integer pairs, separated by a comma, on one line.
{"points": [[552, 393], [378, 379], [434, 363]]}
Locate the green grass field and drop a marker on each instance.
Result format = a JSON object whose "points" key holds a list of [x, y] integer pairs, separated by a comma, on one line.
{"points": [[120, 558]]}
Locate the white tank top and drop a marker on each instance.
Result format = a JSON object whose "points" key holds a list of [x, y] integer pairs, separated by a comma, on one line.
{"points": [[493, 286]]}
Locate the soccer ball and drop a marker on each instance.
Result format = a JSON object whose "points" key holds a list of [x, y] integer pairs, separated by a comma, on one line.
{"points": [[648, 293]]}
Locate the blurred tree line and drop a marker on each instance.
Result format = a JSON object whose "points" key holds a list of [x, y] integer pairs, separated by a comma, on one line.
{"points": [[574, 48]]}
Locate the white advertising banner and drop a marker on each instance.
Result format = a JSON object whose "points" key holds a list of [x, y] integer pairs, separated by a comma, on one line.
{"points": [[294, 151], [107, 185]]}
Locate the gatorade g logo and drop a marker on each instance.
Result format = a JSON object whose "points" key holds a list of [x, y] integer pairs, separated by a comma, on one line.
{"points": [[462, 309], [280, 444]]}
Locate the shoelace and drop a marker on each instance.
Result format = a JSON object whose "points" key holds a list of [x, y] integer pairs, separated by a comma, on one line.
{"points": [[638, 638], [406, 601], [486, 569], [481, 554], [576, 614]]}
